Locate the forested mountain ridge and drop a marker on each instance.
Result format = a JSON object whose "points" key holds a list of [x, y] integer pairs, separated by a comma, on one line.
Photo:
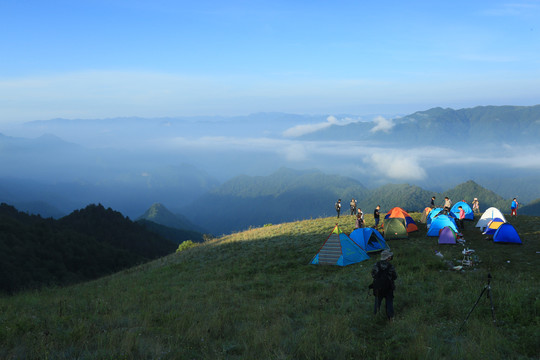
{"points": [[532, 208], [159, 214], [478, 126], [84, 245], [285, 180], [285, 195]]}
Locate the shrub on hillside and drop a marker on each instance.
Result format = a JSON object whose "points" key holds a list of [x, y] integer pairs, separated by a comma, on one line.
{"points": [[185, 245]]}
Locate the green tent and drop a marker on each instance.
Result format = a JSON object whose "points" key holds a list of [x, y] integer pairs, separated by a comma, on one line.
{"points": [[394, 228]]}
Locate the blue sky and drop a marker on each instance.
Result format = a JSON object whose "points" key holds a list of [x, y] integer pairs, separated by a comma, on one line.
{"points": [[99, 59]]}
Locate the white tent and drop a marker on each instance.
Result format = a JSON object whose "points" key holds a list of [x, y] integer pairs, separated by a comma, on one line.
{"points": [[489, 215]]}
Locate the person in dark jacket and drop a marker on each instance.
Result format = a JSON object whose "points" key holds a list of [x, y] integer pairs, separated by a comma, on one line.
{"points": [[376, 216], [338, 207], [384, 275]]}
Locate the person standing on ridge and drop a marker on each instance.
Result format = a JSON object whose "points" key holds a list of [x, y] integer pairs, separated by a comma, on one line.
{"points": [[432, 205], [476, 206], [376, 215], [384, 274], [353, 206], [338, 207], [359, 219], [514, 207], [447, 205], [461, 219]]}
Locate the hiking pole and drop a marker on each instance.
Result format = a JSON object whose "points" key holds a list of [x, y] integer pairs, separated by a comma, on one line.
{"points": [[488, 288]]}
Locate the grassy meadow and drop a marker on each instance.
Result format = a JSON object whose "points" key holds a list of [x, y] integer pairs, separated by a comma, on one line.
{"points": [[252, 295]]}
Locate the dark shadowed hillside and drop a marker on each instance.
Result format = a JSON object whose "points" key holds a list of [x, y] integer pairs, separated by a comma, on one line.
{"points": [[84, 245], [175, 235]]}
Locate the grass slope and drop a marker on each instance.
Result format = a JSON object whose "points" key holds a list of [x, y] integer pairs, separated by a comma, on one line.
{"points": [[252, 295]]}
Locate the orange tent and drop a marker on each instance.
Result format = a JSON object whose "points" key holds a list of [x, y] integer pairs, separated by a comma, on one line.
{"points": [[399, 213]]}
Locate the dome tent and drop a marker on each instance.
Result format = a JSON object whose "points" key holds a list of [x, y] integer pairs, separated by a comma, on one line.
{"points": [[425, 215], [369, 239], [447, 236], [436, 212], [489, 215], [399, 213], [492, 226], [440, 222], [469, 214], [394, 228], [506, 233]]}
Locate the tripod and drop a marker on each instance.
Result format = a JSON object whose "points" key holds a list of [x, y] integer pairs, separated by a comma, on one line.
{"points": [[488, 288]]}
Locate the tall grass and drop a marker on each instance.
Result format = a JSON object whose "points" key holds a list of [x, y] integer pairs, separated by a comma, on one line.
{"points": [[252, 295]]}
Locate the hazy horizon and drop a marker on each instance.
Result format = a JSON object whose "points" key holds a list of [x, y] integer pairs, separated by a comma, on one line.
{"points": [[91, 60]]}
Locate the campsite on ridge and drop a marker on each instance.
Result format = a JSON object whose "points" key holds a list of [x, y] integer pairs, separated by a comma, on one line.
{"points": [[252, 294]]}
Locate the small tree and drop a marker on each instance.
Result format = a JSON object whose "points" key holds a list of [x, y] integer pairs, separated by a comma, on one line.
{"points": [[185, 245]]}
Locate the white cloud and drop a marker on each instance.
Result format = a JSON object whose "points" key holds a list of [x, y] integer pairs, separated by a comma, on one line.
{"points": [[397, 166], [295, 152], [300, 130], [304, 129], [382, 124]]}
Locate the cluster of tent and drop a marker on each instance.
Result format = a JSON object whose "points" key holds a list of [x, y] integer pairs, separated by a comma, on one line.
{"points": [[342, 249], [491, 223]]}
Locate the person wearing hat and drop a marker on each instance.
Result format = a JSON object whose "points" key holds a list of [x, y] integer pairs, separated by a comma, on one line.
{"points": [[476, 206], [384, 274]]}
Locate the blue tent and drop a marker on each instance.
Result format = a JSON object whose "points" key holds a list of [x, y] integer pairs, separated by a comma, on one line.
{"points": [[506, 233], [339, 249], [469, 214], [369, 239], [439, 222], [436, 212], [493, 226]]}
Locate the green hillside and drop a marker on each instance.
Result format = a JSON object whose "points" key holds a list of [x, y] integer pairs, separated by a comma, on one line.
{"points": [[533, 208], [84, 245], [252, 295], [470, 190]]}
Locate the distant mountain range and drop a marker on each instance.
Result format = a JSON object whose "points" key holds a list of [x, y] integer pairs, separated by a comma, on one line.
{"points": [[478, 126], [192, 165]]}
